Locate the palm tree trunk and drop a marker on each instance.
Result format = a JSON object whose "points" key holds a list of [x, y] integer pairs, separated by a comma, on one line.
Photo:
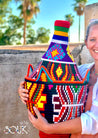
{"points": [[25, 22], [69, 34], [24, 32], [79, 30]]}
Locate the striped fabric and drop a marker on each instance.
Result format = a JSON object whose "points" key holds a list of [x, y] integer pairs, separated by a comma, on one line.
{"points": [[59, 42], [61, 31], [62, 38]]}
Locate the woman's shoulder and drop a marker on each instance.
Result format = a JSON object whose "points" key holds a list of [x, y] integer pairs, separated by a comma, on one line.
{"points": [[84, 67]]}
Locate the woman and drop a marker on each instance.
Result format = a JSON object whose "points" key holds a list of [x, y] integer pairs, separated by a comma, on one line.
{"points": [[88, 122]]}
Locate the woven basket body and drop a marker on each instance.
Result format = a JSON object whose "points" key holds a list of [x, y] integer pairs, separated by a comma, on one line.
{"points": [[55, 87]]}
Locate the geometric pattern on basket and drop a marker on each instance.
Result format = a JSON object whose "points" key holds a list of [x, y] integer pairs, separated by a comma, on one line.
{"points": [[57, 103], [63, 101], [69, 53], [55, 52], [63, 72], [36, 98], [58, 52]]}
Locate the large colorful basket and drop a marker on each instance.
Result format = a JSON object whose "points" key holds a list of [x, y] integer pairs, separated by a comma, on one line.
{"points": [[55, 86]]}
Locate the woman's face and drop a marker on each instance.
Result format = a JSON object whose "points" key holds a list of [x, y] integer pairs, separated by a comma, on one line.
{"points": [[92, 42]]}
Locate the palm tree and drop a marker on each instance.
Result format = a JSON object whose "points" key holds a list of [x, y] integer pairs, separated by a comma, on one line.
{"points": [[4, 8], [79, 6], [69, 18], [28, 8]]}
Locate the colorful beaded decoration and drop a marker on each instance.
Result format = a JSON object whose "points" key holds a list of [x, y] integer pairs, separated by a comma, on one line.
{"points": [[55, 86]]}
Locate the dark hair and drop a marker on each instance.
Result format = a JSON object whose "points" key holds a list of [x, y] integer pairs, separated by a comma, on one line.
{"points": [[92, 23]]}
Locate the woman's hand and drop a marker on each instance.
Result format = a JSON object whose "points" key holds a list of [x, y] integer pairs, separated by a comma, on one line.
{"points": [[23, 93], [40, 122]]}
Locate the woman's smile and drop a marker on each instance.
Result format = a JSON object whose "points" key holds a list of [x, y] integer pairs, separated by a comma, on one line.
{"points": [[92, 42], [96, 51]]}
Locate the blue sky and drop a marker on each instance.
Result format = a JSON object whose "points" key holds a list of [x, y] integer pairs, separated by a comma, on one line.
{"points": [[51, 10]]}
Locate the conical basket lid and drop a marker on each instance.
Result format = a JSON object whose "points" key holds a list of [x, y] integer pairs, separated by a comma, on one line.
{"points": [[58, 50]]}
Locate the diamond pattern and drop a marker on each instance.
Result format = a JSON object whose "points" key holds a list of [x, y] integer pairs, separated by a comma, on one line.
{"points": [[54, 53], [59, 71]]}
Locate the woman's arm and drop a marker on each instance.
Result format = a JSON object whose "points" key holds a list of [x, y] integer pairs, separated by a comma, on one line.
{"points": [[66, 127]]}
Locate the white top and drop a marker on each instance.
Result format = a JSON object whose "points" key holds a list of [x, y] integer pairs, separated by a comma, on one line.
{"points": [[89, 119]]}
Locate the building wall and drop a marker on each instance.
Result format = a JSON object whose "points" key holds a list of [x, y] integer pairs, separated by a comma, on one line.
{"points": [[91, 12], [14, 122]]}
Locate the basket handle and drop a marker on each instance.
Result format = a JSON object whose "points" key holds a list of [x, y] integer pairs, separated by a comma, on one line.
{"points": [[30, 68]]}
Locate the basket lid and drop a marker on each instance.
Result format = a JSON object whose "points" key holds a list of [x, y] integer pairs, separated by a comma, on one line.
{"points": [[58, 50]]}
